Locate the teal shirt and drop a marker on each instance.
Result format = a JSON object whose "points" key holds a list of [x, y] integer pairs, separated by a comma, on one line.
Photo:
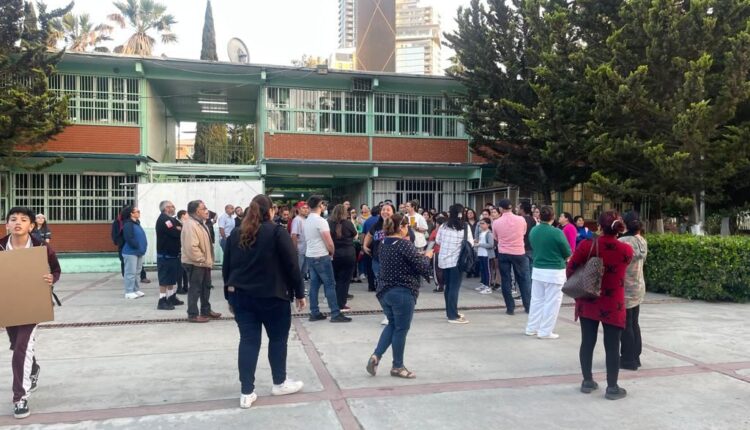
{"points": [[550, 246]]}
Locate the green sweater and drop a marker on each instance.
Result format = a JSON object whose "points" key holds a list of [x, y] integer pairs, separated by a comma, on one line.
{"points": [[551, 249]]}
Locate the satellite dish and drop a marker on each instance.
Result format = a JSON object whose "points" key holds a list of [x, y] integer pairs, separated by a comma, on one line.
{"points": [[237, 51]]}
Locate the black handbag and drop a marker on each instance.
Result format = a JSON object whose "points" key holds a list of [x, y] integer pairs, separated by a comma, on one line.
{"points": [[466, 259]]}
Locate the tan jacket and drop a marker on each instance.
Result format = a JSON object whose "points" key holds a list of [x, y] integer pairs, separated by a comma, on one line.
{"points": [[196, 244]]}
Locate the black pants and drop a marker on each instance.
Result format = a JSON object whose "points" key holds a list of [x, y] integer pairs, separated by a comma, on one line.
{"points": [[200, 289], [343, 267], [630, 350], [589, 331], [370, 274], [122, 264], [182, 280]]}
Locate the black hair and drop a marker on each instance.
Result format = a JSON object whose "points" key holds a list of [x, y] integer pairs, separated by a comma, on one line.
{"points": [[577, 217], [455, 220], [375, 210], [568, 216], [633, 222], [314, 201], [546, 214], [180, 213], [21, 210], [193, 206], [486, 221], [525, 207]]}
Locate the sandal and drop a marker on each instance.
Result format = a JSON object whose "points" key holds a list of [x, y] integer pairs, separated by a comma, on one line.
{"points": [[403, 373], [372, 365]]}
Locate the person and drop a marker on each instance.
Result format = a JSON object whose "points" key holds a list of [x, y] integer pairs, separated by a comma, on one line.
{"points": [[261, 277], [284, 218], [41, 229], [470, 216], [347, 206], [536, 214], [509, 231], [524, 210], [298, 236], [582, 232], [182, 280], [133, 250], [450, 237], [366, 257], [375, 236], [609, 307], [210, 221], [364, 214], [548, 276], [358, 266], [168, 264], [25, 369], [343, 233], [417, 223], [318, 255], [569, 229], [198, 258], [430, 220], [238, 213], [119, 241], [635, 291], [401, 268], [495, 214], [437, 271], [226, 225], [485, 244]]}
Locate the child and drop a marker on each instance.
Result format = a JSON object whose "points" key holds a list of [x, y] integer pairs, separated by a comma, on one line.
{"points": [[485, 252], [20, 223]]}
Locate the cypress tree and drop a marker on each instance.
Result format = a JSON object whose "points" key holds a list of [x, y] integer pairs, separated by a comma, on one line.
{"points": [[208, 50]]}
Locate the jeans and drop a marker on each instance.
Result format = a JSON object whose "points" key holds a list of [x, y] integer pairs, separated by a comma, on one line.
{"points": [[545, 305], [133, 266], [199, 289], [520, 266], [321, 272], [452, 286], [398, 305], [122, 263], [375, 272], [630, 350], [367, 261], [302, 260], [343, 268], [484, 270], [252, 314], [223, 244], [589, 331]]}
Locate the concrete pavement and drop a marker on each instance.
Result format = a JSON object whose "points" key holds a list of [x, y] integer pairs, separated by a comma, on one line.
{"points": [[111, 363]]}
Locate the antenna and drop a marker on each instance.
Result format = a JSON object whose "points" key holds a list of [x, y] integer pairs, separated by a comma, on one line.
{"points": [[237, 51]]}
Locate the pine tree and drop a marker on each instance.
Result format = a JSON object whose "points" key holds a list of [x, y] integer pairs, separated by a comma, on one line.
{"points": [[208, 50]]}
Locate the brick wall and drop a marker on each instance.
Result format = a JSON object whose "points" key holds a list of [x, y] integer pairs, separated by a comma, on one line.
{"points": [[316, 147], [97, 139], [420, 150], [81, 238]]}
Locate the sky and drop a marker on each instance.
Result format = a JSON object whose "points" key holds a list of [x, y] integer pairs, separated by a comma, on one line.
{"points": [[275, 31]]}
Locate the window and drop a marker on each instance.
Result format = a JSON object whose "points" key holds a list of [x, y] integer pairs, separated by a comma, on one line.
{"points": [[99, 100], [316, 111], [65, 197], [412, 115], [3, 195]]}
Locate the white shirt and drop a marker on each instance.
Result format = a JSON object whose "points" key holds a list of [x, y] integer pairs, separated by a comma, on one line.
{"points": [[298, 228], [482, 252], [450, 245], [315, 225], [227, 223], [418, 221], [10, 244]]}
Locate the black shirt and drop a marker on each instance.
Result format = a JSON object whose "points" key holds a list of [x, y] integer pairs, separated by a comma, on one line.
{"points": [[167, 236], [401, 266], [344, 244], [210, 225], [530, 223]]}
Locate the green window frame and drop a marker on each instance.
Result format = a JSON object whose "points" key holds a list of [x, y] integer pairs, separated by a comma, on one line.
{"points": [[99, 99], [416, 115], [316, 111]]}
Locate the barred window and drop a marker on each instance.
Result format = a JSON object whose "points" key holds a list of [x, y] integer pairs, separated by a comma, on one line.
{"points": [[66, 197], [99, 100], [413, 115], [316, 111]]}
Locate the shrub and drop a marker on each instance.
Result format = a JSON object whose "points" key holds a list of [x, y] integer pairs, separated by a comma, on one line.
{"points": [[699, 267]]}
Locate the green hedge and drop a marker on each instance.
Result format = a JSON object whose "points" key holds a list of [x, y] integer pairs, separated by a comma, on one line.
{"points": [[707, 268]]}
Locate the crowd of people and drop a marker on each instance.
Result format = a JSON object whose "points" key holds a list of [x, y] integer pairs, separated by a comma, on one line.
{"points": [[270, 252]]}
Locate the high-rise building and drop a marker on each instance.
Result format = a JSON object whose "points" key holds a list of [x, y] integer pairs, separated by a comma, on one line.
{"points": [[375, 35], [347, 37], [417, 39]]}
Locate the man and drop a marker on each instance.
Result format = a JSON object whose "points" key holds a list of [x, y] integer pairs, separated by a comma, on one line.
{"points": [[509, 231], [367, 258], [20, 222], [238, 214], [198, 259], [284, 217], [118, 239], [298, 236], [318, 255], [212, 218], [524, 210], [168, 231], [226, 225], [417, 223]]}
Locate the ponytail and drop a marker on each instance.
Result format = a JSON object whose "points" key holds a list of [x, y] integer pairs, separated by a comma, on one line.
{"points": [[611, 223], [257, 213], [393, 224]]}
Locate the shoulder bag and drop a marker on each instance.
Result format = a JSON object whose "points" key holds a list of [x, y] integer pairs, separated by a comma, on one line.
{"points": [[586, 282]]}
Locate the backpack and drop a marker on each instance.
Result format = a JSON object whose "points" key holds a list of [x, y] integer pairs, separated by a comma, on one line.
{"points": [[116, 234], [466, 258]]}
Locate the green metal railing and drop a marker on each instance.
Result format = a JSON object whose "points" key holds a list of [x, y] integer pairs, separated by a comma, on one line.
{"points": [[230, 155]]}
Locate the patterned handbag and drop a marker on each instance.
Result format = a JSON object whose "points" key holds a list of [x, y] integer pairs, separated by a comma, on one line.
{"points": [[586, 282]]}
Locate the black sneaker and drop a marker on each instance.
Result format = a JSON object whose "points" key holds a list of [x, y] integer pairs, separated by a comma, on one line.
{"points": [[340, 318], [349, 296], [317, 317], [21, 409], [510, 312], [164, 305], [182, 290], [615, 393], [587, 386], [174, 300], [34, 377]]}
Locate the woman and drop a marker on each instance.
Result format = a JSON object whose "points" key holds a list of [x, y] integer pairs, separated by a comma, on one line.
{"points": [[401, 268], [609, 307], [430, 220], [471, 219], [364, 214], [343, 233], [133, 251], [568, 229], [635, 290], [41, 229], [261, 276], [551, 250], [536, 214], [431, 245], [373, 240], [358, 266], [582, 232], [450, 237]]}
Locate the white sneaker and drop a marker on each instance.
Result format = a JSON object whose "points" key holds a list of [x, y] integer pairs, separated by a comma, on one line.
{"points": [[140, 293], [549, 336], [384, 322], [131, 296], [459, 320], [480, 287], [288, 387], [530, 333], [363, 276], [486, 290], [247, 400]]}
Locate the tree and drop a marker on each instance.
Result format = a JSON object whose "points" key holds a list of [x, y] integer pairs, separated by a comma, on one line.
{"points": [[30, 114], [144, 17], [242, 143], [209, 136], [308, 61], [79, 33]]}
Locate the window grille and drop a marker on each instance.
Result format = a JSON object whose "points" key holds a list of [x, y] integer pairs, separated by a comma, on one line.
{"points": [[431, 193], [3, 195], [316, 111], [412, 115], [99, 99]]}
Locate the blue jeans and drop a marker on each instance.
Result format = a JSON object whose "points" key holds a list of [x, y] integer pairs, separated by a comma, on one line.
{"points": [[376, 271], [251, 314], [302, 260], [452, 277], [133, 266], [398, 305], [522, 271], [321, 272]]}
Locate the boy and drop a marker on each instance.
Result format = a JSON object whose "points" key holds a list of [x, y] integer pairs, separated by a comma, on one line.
{"points": [[19, 223]]}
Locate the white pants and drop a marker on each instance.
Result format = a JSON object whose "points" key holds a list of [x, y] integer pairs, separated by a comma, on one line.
{"points": [[545, 305]]}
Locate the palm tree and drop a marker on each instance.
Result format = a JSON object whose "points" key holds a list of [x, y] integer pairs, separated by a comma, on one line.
{"points": [[143, 16], [79, 33]]}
